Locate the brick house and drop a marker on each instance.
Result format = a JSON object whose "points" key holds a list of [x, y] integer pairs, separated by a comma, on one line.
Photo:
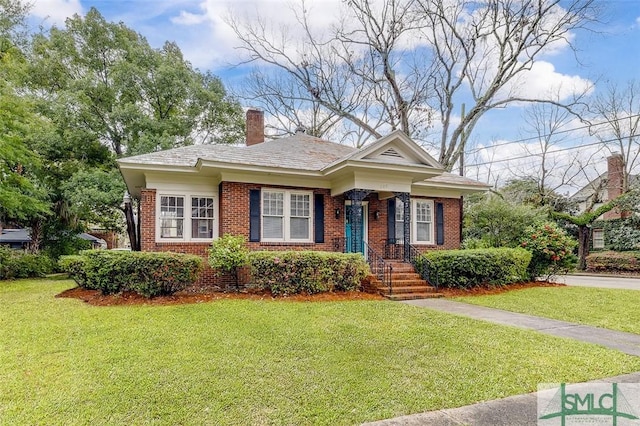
{"points": [[606, 187], [297, 193]]}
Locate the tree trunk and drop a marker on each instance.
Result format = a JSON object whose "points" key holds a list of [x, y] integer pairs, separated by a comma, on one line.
{"points": [[131, 227], [584, 240]]}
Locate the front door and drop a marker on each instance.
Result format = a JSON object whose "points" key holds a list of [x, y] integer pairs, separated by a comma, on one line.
{"points": [[351, 231]]}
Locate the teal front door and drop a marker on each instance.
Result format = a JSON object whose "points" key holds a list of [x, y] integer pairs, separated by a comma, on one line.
{"points": [[354, 234]]}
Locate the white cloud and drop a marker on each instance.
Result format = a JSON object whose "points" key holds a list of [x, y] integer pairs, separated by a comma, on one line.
{"points": [[188, 18], [544, 82], [56, 11]]}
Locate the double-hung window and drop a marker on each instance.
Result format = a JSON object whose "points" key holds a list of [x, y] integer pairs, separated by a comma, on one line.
{"points": [[423, 221], [186, 217], [171, 216], [202, 217], [286, 215]]}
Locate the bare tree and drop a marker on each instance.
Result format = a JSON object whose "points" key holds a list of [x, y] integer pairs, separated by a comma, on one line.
{"points": [[400, 64], [549, 166], [617, 117]]}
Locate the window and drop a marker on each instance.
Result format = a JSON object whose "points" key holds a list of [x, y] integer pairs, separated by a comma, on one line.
{"points": [[202, 217], [286, 216], [177, 222], [399, 222], [598, 238], [423, 221], [171, 216], [273, 215]]}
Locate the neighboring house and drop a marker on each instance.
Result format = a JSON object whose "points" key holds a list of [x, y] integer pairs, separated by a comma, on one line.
{"points": [[297, 193], [606, 187], [20, 239]]}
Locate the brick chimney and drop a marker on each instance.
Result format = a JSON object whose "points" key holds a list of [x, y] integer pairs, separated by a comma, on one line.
{"points": [[255, 127], [615, 182]]}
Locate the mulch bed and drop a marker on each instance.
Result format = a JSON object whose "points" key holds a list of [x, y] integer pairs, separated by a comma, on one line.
{"points": [[96, 298], [483, 291]]}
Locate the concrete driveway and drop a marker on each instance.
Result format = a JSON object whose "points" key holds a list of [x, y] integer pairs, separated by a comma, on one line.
{"points": [[602, 281]]}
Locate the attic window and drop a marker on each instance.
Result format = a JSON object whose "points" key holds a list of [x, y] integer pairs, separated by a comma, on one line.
{"points": [[391, 153]]}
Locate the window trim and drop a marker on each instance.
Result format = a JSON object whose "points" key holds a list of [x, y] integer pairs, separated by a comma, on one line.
{"points": [[593, 237], [414, 222], [187, 216], [286, 210]]}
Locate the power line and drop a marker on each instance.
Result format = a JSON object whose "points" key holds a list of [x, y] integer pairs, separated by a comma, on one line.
{"points": [[548, 134], [549, 152]]}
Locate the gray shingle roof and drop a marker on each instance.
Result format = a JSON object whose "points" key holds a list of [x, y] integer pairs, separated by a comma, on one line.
{"points": [[453, 179], [299, 151]]}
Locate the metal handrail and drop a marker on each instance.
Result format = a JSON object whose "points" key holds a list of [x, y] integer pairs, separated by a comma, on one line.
{"points": [[422, 267], [379, 267], [395, 250]]}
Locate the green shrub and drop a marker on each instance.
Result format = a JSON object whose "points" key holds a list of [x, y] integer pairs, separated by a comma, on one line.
{"points": [[17, 264], [229, 253], [75, 266], [551, 250], [292, 272], [148, 274], [611, 261], [472, 268]]}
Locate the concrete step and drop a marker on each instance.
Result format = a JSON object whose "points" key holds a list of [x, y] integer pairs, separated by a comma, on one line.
{"points": [[408, 289], [409, 283], [412, 296], [405, 276]]}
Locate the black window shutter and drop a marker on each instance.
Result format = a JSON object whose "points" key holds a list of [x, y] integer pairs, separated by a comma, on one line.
{"points": [[254, 215], [439, 224], [391, 220], [318, 211]]}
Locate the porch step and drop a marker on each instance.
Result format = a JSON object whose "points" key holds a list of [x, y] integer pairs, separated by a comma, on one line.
{"points": [[407, 289], [412, 296]]}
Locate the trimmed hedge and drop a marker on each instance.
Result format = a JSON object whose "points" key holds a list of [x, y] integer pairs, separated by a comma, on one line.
{"points": [[292, 272], [146, 273], [613, 261], [472, 268], [18, 264]]}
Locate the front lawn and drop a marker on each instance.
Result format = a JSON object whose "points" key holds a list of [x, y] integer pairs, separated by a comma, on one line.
{"points": [[607, 308], [262, 362]]}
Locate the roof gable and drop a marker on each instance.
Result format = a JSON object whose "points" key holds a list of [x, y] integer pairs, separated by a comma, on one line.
{"points": [[395, 148]]}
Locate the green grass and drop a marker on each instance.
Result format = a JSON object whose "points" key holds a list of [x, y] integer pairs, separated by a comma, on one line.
{"points": [[607, 308], [262, 362]]}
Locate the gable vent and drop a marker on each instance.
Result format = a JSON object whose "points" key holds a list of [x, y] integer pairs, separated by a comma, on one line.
{"points": [[391, 153]]}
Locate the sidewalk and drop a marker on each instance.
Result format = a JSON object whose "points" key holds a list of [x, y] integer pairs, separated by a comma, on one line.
{"points": [[518, 410]]}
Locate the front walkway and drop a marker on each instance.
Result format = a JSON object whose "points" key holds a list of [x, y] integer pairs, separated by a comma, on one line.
{"points": [[518, 410], [624, 342]]}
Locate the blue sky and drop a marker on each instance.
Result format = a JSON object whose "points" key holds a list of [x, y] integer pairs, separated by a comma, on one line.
{"points": [[611, 53]]}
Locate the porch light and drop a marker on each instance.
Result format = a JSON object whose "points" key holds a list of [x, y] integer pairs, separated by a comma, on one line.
{"points": [[337, 213], [376, 215]]}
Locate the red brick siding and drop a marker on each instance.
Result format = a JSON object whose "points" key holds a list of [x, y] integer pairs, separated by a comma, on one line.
{"points": [[234, 219]]}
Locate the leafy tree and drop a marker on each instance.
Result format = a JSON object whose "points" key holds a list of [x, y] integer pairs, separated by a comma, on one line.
{"points": [[103, 80], [109, 94], [496, 222], [583, 222]]}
